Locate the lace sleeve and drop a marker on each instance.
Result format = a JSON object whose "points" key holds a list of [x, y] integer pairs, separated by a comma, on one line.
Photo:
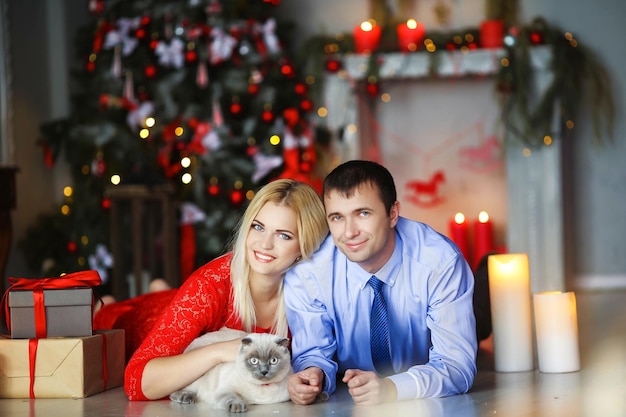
{"points": [[202, 304]]}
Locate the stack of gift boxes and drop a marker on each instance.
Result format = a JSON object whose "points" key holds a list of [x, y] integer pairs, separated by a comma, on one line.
{"points": [[51, 350]]}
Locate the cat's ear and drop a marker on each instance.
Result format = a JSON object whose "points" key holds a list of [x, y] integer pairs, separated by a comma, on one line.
{"points": [[284, 342], [246, 341]]}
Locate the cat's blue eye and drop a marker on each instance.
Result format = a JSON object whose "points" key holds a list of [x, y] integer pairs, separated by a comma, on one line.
{"points": [[273, 361], [254, 361]]}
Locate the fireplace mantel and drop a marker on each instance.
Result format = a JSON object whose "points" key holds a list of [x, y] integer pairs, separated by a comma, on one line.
{"points": [[534, 176]]}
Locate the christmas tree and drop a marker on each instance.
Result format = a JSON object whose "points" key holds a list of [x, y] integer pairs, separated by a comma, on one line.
{"points": [[199, 95]]}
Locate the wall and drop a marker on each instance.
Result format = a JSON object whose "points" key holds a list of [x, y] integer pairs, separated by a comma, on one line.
{"points": [[595, 225], [41, 47]]}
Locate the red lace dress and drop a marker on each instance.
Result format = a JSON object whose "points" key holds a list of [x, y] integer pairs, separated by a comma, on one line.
{"points": [[164, 323]]}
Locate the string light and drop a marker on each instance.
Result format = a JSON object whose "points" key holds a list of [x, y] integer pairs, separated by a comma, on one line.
{"points": [[275, 140]]}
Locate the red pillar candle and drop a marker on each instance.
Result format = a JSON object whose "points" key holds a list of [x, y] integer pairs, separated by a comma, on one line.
{"points": [[410, 35], [458, 234], [366, 37], [483, 237], [492, 33]]}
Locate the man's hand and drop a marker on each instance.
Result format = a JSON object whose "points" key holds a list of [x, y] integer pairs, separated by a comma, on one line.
{"points": [[366, 388], [306, 385]]}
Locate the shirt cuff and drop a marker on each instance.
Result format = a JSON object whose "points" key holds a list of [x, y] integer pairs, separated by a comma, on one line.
{"points": [[406, 386]]}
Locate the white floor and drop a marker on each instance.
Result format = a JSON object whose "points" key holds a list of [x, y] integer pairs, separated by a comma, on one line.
{"points": [[598, 390]]}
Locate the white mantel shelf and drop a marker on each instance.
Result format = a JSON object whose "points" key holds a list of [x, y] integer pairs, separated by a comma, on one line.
{"points": [[416, 65]]}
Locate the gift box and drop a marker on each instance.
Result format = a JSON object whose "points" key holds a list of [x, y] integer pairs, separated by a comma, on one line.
{"points": [[68, 313], [50, 307], [62, 367]]}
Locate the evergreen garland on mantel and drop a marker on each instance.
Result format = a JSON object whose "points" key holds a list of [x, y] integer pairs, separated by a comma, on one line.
{"points": [[580, 80]]}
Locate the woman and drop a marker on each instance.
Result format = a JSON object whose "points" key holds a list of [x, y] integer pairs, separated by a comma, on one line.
{"points": [[242, 289]]}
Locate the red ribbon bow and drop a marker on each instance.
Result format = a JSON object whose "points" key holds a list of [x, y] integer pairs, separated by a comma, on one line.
{"points": [[83, 279]]}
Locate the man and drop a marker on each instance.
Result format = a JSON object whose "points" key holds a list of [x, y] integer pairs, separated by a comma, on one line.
{"points": [[427, 289]]}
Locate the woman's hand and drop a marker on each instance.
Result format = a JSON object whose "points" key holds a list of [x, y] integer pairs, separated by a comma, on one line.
{"points": [[225, 351], [164, 375]]}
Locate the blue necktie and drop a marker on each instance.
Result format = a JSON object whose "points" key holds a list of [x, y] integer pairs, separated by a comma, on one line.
{"points": [[379, 327]]}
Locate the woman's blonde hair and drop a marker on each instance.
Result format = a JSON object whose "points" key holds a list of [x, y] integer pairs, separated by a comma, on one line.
{"points": [[312, 229]]}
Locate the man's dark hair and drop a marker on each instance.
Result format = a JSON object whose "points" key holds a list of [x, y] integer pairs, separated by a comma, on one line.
{"points": [[349, 176]]}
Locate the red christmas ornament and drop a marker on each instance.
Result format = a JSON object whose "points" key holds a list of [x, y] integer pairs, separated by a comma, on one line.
{"points": [[140, 34], [536, 38], [236, 197], [300, 88], [332, 65], [253, 89], [106, 203], [71, 247], [104, 101], [91, 66], [267, 116], [213, 189], [191, 56], [287, 70], [153, 44], [150, 71], [235, 109], [291, 116], [373, 89], [306, 105]]}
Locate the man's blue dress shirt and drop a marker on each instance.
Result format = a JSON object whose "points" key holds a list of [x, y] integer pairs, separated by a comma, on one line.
{"points": [[428, 288]]}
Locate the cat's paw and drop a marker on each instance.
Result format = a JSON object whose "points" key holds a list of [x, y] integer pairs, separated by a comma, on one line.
{"points": [[237, 407], [232, 402], [184, 397]]}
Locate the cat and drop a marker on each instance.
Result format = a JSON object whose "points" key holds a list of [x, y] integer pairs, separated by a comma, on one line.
{"points": [[259, 375]]}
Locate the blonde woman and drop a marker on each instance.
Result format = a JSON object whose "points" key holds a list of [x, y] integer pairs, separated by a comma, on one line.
{"points": [[242, 289]]}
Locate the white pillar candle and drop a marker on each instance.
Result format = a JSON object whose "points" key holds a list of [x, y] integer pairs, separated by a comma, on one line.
{"points": [[556, 327], [509, 290]]}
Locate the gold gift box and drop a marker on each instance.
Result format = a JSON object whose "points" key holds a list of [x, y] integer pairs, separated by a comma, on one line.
{"points": [[65, 367]]}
